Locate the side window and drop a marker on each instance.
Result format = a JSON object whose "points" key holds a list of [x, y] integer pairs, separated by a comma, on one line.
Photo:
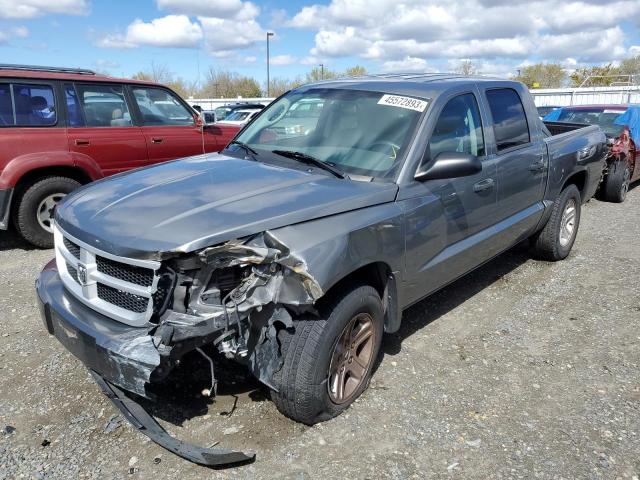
{"points": [[509, 120], [102, 105], [6, 108], [459, 128], [74, 112], [159, 107], [34, 105]]}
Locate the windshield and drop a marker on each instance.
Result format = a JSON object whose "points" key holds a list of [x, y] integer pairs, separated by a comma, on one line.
{"points": [[359, 132], [237, 116], [601, 116]]}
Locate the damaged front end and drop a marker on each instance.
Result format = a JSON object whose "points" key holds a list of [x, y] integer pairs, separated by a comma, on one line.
{"points": [[233, 297]]}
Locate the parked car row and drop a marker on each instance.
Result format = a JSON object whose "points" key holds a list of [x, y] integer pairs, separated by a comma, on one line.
{"points": [[621, 125], [300, 244], [62, 128]]}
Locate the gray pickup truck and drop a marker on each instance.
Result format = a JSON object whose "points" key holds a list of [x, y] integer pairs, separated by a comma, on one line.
{"points": [[293, 251]]}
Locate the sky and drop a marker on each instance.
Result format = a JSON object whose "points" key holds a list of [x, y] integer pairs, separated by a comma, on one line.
{"points": [[190, 36]]}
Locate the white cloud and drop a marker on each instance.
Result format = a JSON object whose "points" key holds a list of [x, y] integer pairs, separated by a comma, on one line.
{"points": [[231, 9], [340, 43], [222, 36], [484, 30], [104, 63], [408, 64], [19, 32], [634, 50], [281, 60], [37, 8], [170, 31]]}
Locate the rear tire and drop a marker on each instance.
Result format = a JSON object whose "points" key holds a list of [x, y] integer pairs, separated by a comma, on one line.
{"points": [[555, 240], [36, 204], [616, 183], [318, 347]]}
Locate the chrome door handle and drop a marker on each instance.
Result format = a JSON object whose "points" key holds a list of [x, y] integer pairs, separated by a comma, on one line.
{"points": [[80, 142], [156, 140], [483, 185]]}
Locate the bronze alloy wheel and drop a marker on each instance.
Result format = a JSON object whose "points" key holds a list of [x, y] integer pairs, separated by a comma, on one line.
{"points": [[352, 358]]}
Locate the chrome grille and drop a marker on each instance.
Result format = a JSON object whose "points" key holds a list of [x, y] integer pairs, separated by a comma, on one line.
{"points": [[121, 299], [124, 289], [72, 248], [122, 271]]}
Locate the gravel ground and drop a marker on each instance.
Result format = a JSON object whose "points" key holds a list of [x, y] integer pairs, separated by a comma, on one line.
{"points": [[523, 369]]}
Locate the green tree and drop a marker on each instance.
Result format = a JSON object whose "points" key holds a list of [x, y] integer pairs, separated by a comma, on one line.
{"points": [[355, 71], [595, 76], [319, 73], [543, 75], [630, 66]]}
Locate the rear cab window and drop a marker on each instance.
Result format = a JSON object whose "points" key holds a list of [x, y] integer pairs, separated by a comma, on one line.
{"points": [[27, 105], [510, 125]]}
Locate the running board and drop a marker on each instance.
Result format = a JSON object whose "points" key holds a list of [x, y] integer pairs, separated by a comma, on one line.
{"points": [[147, 425]]}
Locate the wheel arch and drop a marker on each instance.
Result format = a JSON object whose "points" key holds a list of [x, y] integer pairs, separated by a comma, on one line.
{"points": [[380, 276], [579, 179]]}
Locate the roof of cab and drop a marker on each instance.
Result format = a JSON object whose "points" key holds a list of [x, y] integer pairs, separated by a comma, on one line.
{"points": [[417, 84], [61, 73]]}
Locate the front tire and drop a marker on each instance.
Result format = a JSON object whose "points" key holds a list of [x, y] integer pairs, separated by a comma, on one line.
{"points": [[35, 206], [555, 240], [328, 361], [616, 183]]}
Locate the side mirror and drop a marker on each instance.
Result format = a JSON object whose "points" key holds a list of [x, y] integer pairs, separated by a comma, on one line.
{"points": [[450, 165], [198, 118]]}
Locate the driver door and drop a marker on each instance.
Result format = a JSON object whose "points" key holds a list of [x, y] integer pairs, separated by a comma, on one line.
{"points": [[448, 221]]}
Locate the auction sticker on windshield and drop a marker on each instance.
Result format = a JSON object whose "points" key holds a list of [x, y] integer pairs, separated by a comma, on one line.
{"points": [[403, 102]]}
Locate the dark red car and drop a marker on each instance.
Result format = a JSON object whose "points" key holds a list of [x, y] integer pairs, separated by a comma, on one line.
{"points": [[61, 128], [617, 122]]}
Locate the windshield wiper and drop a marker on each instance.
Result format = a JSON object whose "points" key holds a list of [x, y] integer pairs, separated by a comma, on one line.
{"points": [[309, 160], [250, 151]]}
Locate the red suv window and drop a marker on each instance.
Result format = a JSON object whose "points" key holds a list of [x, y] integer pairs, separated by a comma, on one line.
{"points": [[27, 105]]}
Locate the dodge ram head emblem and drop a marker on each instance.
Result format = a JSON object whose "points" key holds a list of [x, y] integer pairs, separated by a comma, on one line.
{"points": [[82, 274]]}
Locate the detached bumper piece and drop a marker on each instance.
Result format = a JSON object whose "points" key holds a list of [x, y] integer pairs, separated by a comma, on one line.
{"points": [[147, 425]]}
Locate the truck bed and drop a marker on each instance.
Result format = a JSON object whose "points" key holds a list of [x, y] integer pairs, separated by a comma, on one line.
{"points": [[556, 128]]}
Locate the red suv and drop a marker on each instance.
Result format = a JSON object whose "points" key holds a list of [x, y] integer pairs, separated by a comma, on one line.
{"points": [[61, 128]]}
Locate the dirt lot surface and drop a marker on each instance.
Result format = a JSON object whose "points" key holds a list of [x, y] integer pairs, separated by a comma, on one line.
{"points": [[523, 369]]}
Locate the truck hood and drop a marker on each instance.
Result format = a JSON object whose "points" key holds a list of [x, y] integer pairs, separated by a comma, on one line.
{"points": [[188, 204]]}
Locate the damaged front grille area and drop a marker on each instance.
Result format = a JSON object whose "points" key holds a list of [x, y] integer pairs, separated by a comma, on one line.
{"points": [[124, 289]]}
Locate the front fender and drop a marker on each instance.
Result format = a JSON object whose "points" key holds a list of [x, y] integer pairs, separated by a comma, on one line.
{"points": [[334, 247]]}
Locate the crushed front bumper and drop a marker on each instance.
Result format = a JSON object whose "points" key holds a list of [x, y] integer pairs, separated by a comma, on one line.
{"points": [[124, 355], [118, 355]]}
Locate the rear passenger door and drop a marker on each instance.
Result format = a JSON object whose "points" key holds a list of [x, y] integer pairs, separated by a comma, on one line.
{"points": [[169, 127], [521, 161], [100, 126]]}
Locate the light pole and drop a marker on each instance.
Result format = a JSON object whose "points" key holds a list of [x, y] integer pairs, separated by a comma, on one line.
{"points": [[269, 34]]}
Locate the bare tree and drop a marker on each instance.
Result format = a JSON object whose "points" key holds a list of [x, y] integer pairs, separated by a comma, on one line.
{"points": [[278, 86], [466, 67], [225, 84]]}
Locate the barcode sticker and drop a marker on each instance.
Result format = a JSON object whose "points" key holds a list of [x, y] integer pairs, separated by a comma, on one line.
{"points": [[404, 102]]}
